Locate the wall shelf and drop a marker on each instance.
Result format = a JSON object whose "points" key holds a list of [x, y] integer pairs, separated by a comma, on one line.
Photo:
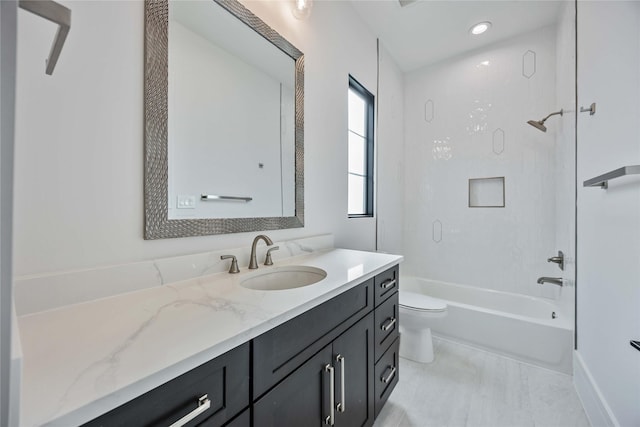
{"points": [[602, 181]]}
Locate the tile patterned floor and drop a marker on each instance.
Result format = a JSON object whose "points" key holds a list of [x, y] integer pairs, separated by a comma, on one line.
{"points": [[469, 387]]}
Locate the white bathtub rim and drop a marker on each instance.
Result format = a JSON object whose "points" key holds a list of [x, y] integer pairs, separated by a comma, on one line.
{"points": [[562, 321]]}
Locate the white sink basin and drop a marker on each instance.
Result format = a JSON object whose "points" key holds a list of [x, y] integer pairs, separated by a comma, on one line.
{"points": [[286, 277]]}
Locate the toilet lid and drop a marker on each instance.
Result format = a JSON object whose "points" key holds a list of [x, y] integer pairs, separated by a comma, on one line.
{"points": [[416, 301]]}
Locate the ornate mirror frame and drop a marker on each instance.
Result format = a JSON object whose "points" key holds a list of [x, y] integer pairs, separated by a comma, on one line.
{"points": [[156, 168]]}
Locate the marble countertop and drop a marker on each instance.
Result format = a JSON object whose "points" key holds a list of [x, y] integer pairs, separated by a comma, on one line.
{"points": [[83, 360]]}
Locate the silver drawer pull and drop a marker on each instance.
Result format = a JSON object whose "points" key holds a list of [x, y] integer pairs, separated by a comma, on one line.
{"points": [[388, 323], [330, 420], [386, 379], [341, 406], [388, 283], [203, 404]]}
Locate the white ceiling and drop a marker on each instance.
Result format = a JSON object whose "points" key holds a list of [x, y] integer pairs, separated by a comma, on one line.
{"points": [[429, 31]]}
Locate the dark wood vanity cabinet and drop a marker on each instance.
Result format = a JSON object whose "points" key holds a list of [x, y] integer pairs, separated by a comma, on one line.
{"points": [[335, 364], [302, 362]]}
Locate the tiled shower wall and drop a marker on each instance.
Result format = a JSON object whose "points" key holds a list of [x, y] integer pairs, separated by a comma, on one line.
{"points": [[467, 118]]}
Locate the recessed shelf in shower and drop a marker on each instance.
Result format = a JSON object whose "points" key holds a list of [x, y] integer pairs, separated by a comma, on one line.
{"points": [[486, 192]]}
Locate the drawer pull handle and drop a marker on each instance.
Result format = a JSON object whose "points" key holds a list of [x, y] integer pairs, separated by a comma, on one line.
{"points": [[388, 324], [203, 404], [387, 378], [341, 405], [388, 283], [330, 420]]}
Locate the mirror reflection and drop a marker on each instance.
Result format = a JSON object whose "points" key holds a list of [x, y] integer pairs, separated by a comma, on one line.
{"points": [[231, 104]]}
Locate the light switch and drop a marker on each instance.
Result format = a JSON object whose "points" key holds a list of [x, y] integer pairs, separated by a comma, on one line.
{"points": [[186, 202]]}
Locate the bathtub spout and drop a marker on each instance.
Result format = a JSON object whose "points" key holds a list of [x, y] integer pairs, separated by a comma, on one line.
{"points": [[554, 280]]}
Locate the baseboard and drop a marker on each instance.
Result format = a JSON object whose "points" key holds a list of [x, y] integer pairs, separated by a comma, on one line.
{"points": [[593, 402]]}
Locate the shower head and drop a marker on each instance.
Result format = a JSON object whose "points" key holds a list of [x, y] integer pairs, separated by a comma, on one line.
{"points": [[539, 124]]}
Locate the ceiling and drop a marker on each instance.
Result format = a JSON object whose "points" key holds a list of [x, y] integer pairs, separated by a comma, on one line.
{"points": [[428, 31]]}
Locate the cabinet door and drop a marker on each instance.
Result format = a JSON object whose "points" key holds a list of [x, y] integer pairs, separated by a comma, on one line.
{"points": [[353, 361], [302, 399]]}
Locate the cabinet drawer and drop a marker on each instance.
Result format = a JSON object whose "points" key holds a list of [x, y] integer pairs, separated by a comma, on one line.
{"points": [[386, 325], [225, 381], [280, 351], [386, 375], [386, 283]]}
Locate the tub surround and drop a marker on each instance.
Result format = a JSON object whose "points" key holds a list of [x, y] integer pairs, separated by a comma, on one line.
{"points": [[85, 359]]}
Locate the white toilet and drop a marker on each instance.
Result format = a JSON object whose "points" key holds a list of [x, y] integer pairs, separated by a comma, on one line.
{"points": [[416, 310]]}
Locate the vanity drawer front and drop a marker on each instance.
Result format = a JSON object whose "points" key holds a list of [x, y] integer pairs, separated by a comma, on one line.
{"points": [[386, 325], [386, 375], [225, 381], [280, 351], [386, 283]]}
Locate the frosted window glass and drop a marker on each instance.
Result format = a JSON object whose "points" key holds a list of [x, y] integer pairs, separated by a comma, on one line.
{"points": [[486, 193]]}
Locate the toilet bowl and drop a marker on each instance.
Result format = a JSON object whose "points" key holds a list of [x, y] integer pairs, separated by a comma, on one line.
{"points": [[416, 310]]}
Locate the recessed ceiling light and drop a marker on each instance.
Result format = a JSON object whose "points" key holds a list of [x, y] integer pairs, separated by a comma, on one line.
{"points": [[480, 28]]}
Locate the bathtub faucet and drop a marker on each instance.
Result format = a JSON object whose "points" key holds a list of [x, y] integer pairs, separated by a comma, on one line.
{"points": [[554, 280]]}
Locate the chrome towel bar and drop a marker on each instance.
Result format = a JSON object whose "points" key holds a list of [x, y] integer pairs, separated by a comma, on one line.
{"points": [[209, 197], [602, 181], [56, 13]]}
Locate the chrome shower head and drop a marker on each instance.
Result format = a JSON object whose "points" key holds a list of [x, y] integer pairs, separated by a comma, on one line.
{"points": [[539, 124]]}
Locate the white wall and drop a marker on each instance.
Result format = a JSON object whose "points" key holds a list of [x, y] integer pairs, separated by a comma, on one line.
{"points": [[79, 159], [608, 249], [467, 118], [390, 160]]}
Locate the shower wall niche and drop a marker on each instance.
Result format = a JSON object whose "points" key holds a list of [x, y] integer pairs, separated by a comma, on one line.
{"points": [[465, 118]]}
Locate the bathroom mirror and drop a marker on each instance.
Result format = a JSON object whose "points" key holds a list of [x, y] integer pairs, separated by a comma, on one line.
{"points": [[223, 122]]}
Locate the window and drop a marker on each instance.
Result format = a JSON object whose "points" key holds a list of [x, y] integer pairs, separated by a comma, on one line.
{"points": [[360, 151]]}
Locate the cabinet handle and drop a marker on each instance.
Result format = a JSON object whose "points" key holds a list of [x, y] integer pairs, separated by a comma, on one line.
{"points": [[341, 406], [332, 396], [388, 283], [203, 404], [388, 323], [386, 379]]}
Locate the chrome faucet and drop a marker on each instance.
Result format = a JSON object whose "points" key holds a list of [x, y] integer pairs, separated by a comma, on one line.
{"points": [[253, 264], [554, 280]]}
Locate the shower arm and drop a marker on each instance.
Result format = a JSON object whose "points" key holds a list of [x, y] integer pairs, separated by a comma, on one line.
{"points": [[552, 114]]}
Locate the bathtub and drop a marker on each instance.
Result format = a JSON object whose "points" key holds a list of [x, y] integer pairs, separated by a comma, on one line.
{"points": [[530, 329]]}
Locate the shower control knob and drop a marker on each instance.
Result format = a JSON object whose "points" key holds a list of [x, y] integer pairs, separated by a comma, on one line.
{"points": [[558, 260]]}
